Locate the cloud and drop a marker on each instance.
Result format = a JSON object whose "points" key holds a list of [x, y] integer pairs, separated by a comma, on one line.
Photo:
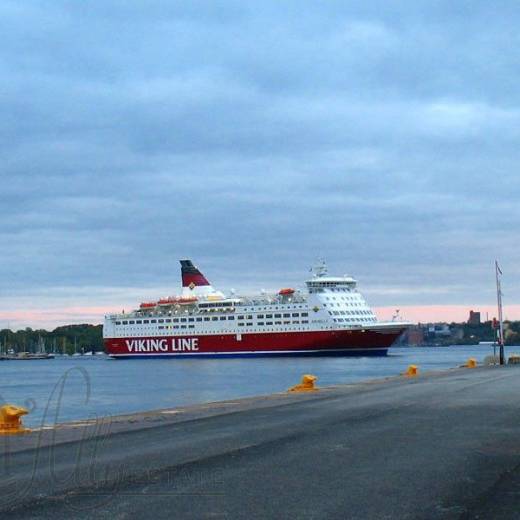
{"points": [[255, 138]]}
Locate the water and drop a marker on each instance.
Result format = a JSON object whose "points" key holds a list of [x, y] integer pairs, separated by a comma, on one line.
{"points": [[65, 389]]}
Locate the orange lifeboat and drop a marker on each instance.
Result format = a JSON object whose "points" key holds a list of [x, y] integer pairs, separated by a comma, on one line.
{"points": [[286, 292], [187, 300], [167, 301], [147, 305]]}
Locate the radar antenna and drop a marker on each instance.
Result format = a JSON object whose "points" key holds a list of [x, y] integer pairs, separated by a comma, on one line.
{"points": [[396, 316], [320, 268]]}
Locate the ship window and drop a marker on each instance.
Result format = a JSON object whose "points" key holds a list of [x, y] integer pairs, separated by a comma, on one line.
{"points": [[241, 317], [231, 317], [286, 322], [249, 317], [249, 324], [191, 326], [215, 318], [191, 319], [118, 323], [268, 322], [305, 321], [305, 314], [240, 324], [260, 316], [286, 315], [176, 320], [295, 315], [222, 318], [138, 322], [268, 315], [277, 315], [206, 319], [183, 320], [160, 321], [146, 321], [199, 319], [183, 326], [131, 322]]}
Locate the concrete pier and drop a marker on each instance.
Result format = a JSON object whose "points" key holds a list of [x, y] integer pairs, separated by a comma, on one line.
{"points": [[439, 446]]}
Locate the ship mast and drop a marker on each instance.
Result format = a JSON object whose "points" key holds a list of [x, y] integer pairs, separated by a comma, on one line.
{"points": [[320, 268], [498, 273]]}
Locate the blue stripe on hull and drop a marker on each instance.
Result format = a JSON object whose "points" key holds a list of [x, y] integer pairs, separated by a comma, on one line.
{"points": [[326, 353]]}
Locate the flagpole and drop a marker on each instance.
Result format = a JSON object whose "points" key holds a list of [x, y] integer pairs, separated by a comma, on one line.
{"points": [[498, 272]]}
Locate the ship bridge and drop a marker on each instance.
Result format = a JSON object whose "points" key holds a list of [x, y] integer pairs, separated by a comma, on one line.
{"points": [[321, 281], [319, 284]]}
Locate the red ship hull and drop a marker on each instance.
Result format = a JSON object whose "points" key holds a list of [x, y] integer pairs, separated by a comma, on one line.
{"points": [[314, 343]]}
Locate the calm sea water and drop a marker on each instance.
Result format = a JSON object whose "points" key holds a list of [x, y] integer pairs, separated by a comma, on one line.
{"points": [[70, 388]]}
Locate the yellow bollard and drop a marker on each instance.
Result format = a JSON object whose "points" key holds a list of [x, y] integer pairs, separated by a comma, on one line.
{"points": [[412, 371], [10, 420], [307, 384], [471, 363]]}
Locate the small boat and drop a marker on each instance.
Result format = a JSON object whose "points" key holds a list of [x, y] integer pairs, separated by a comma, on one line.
{"points": [[23, 356], [287, 291]]}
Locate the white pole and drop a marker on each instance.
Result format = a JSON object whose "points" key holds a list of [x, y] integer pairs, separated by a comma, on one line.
{"points": [[498, 272]]}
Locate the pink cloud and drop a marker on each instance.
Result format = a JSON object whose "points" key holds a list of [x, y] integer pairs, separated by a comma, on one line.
{"points": [[51, 318], [447, 313]]}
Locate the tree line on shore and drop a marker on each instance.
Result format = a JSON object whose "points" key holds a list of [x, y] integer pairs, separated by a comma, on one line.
{"points": [[67, 339]]}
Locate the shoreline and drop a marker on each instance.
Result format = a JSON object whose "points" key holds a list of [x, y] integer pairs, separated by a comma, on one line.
{"points": [[437, 446], [74, 430]]}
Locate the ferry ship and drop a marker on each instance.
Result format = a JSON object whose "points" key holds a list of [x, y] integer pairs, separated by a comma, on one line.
{"points": [[328, 317]]}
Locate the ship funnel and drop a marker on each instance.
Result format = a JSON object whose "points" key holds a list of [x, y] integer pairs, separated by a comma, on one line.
{"points": [[194, 283], [191, 275]]}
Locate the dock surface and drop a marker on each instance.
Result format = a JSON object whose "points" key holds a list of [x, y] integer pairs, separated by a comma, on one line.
{"points": [[440, 446]]}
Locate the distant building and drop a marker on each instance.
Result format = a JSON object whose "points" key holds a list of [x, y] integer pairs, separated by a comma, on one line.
{"points": [[474, 318], [457, 333], [439, 329]]}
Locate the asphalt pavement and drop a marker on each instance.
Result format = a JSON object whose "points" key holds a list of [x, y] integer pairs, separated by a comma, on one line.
{"points": [[439, 446]]}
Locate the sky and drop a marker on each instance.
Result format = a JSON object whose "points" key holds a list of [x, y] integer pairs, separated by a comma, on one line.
{"points": [[253, 138]]}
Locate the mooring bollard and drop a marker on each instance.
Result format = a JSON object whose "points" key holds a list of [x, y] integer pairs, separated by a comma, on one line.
{"points": [[10, 420], [412, 371], [471, 363], [307, 384], [514, 359]]}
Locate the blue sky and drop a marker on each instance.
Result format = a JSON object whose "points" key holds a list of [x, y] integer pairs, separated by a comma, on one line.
{"points": [[254, 137]]}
